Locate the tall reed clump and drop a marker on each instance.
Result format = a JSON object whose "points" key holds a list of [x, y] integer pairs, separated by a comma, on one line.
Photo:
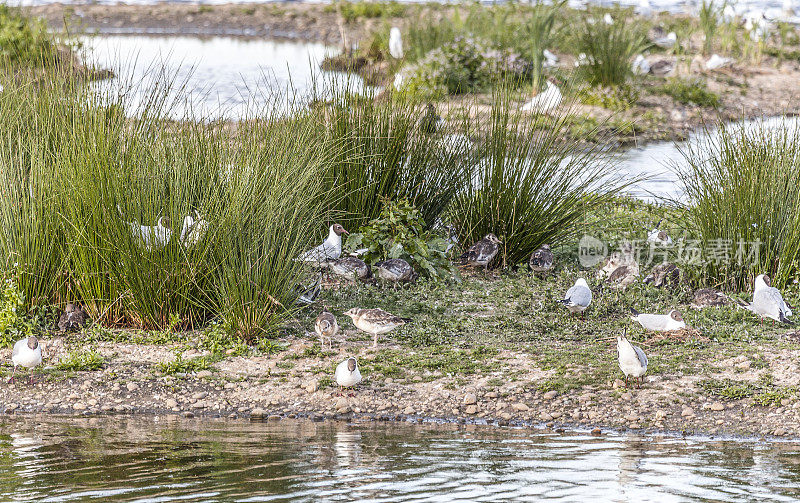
{"points": [[143, 219], [609, 49], [540, 31], [709, 15], [530, 186], [380, 150], [742, 190]]}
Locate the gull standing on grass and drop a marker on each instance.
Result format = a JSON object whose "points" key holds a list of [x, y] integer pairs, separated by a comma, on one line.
{"points": [[659, 322], [579, 297], [326, 327], [768, 301], [27, 353], [632, 360], [330, 249], [482, 253], [375, 322], [347, 374]]}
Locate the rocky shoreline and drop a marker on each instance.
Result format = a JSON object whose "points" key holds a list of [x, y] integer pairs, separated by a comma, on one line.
{"points": [[265, 388]]}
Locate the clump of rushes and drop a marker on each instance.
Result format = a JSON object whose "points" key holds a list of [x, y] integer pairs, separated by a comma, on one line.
{"points": [[743, 203], [709, 22], [530, 186], [378, 151], [83, 180], [23, 40], [609, 49]]}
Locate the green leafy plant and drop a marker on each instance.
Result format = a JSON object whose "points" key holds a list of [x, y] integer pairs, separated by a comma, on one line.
{"points": [[613, 98], [709, 14], [81, 360], [24, 40], [184, 366], [399, 232]]}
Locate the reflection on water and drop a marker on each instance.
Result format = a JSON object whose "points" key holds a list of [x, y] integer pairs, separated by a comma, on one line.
{"points": [[149, 460], [223, 76]]}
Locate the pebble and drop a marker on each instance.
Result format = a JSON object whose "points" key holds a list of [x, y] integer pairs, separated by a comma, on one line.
{"points": [[505, 415], [717, 406], [203, 374], [779, 432], [171, 403], [597, 432], [550, 395], [258, 412], [132, 386], [470, 399], [78, 406], [199, 395], [520, 407], [660, 414], [687, 411], [471, 409]]}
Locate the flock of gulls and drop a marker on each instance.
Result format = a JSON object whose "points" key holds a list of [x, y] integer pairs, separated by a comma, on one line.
{"points": [[619, 268]]}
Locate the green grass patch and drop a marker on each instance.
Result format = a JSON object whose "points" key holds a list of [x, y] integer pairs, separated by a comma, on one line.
{"points": [[690, 91], [80, 360]]}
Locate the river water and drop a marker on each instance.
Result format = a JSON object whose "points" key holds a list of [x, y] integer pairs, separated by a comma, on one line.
{"points": [[169, 459]]}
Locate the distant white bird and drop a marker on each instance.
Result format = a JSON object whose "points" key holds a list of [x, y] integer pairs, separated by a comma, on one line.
{"points": [[326, 327], [717, 61], [640, 65], [659, 322], [658, 236], [347, 374], [152, 238], [666, 42], [26, 353], [632, 360], [550, 59], [768, 301], [728, 13], [583, 59], [193, 229], [787, 8], [757, 24], [395, 43], [644, 8], [545, 101], [330, 249], [398, 81], [375, 321], [578, 298], [607, 19]]}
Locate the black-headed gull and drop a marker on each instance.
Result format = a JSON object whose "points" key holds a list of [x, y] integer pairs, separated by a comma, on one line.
{"points": [[632, 360], [26, 353], [347, 374], [152, 237], [330, 249], [667, 41], [659, 236], [326, 327], [482, 253], [395, 43], [768, 301], [73, 318], [659, 322], [541, 260], [375, 321], [578, 297]]}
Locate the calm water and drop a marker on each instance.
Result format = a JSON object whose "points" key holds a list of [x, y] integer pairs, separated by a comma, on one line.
{"points": [[161, 460], [226, 77]]}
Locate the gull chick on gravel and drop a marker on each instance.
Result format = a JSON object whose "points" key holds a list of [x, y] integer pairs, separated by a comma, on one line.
{"points": [[326, 327], [375, 321]]}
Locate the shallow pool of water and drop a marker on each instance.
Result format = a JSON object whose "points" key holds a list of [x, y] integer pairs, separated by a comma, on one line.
{"points": [[224, 77], [167, 459]]}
